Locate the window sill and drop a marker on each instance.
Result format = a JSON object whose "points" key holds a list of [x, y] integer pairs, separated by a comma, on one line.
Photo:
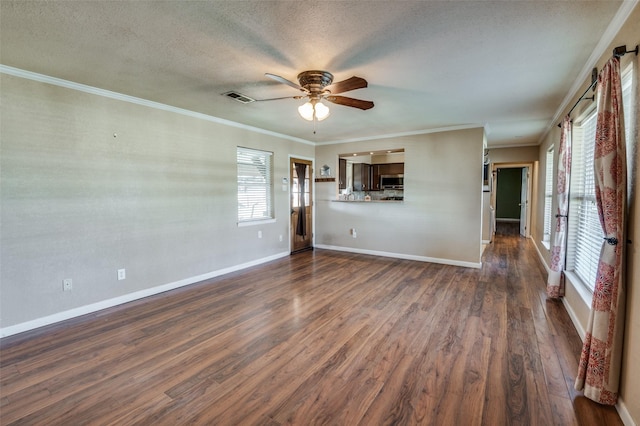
{"points": [[255, 222], [546, 244]]}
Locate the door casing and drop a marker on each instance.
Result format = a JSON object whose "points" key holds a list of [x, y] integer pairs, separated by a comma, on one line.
{"points": [[531, 169]]}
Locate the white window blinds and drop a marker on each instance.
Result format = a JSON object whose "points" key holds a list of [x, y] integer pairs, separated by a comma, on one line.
{"points": [[255, 185], [585, 233], [548, 195]]}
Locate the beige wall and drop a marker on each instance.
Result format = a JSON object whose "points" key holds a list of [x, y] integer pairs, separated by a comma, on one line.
{"points": [[630, 383], [525, 154], [440, 218], [92, 184], [159, 199]]}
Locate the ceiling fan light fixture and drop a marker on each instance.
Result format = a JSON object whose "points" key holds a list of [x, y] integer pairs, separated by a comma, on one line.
{"points": [[306, 111], [322, 111], [311, 110]]}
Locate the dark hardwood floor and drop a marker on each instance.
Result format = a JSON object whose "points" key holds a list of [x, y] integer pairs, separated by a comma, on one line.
{"points": [[320, 337]]}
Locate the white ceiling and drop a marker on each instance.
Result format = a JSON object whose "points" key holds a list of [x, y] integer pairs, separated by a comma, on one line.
{"points": [[508, 65]]}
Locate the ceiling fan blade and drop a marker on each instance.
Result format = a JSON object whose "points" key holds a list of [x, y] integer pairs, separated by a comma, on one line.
{"points": [[352, 83], [285, 81], [350, 102]]}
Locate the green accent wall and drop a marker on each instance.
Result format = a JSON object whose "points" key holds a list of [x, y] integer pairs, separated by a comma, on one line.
{"points": [[508, 193]]}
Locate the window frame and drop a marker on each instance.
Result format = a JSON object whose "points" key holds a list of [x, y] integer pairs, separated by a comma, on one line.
{"points": [[256, 178]]}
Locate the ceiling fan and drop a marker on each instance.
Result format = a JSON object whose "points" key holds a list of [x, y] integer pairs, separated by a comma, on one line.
{"points": [[316, 86]]}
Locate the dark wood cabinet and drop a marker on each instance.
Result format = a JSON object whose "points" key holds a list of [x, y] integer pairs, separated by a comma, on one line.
{"points": [[342, 173], [384, 169], [361, 177], [394, 169], [375, 176]]}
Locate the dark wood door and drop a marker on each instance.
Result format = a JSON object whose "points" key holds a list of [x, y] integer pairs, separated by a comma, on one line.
{"points": [[301, 198]]}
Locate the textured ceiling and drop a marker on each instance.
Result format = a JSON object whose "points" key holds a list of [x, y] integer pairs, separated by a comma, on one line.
{"points": [[430, 64]]}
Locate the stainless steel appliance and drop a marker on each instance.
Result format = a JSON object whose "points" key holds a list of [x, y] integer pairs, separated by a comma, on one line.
{"points": [[392, 181]]}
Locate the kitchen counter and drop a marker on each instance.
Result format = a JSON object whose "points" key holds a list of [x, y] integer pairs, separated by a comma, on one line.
{"points": [[368, 201]]}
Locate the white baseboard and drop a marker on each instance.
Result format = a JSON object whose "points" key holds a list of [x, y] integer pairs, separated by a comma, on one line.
{"points": [[624, 413], [402, 256], [567, 307], [574, 319], [104, 304], [542, 259]]}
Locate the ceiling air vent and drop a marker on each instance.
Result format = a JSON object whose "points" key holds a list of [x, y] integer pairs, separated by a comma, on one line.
{"points": [[239, 97]]}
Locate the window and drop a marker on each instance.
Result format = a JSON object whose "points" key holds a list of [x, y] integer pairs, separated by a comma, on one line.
{"points": [[255, 185], [548, 197], [629, 124], [295, 187], [585, 233]]}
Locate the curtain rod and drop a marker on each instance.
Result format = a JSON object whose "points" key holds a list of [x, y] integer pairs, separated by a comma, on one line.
{"points": [[617, 53]]}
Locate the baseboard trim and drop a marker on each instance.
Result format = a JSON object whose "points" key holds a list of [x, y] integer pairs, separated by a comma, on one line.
{"points": [[542, 259], [624, 414], [574, 318], [109, 303], [567, 307], [402, 256]]}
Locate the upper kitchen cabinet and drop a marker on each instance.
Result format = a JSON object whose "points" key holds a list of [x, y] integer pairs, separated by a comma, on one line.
{"points": [[342, 173], [361, 177]]}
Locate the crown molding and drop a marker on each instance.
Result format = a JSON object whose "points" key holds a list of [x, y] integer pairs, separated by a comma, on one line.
{"points": [[17, 72], [607, 38], [398, 135]]}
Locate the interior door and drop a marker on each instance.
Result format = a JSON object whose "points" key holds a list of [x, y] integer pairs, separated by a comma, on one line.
{"points": [[301, 205], [524, 199]]}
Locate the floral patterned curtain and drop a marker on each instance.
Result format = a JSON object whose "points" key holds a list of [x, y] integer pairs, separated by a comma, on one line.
{"points": [[599, 368], [555, 280]]}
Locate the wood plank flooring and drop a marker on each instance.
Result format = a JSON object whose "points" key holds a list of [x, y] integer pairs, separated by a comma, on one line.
{"points": [[320, 337]]}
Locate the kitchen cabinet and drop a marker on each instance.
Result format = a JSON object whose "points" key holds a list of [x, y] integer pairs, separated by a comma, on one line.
{"points": [[394, 169], [342, 173], [384, 169], [375, 176], [361, 177]]}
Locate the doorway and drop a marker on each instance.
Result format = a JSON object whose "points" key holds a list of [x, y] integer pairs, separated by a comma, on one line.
{"points": [[512, 203], [301, 203]]}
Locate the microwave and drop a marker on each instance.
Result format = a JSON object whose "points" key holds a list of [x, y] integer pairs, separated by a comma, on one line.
{"points": [[391, 181]]}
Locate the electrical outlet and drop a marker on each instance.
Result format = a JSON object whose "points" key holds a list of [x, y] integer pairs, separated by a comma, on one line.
{"points": [[353, 233], [259, 234], [280, 238], [122, 274], [67, 284]]}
